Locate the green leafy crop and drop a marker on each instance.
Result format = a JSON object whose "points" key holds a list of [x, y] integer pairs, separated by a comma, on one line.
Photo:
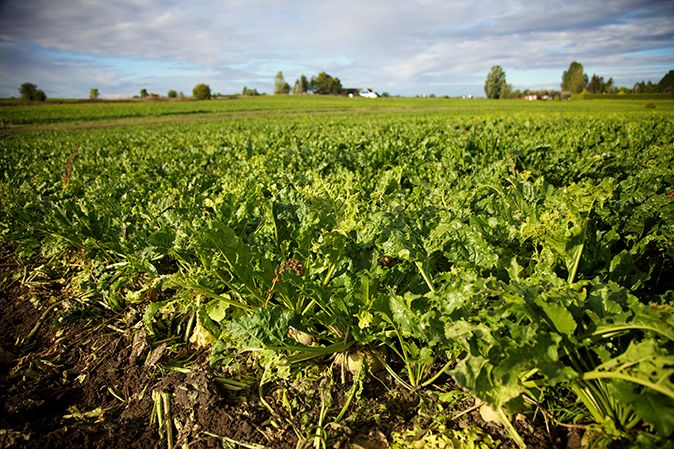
{"points": [[517, 254]]}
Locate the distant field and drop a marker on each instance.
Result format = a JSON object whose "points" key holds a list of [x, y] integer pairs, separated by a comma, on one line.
{"points": [[326, 272], [114, 113]]}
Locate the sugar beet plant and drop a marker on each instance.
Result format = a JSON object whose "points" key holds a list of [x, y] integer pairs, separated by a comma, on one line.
{"points": [[528, 259]]}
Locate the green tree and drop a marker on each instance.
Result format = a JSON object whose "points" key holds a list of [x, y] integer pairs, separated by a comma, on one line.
{"points": [[249, 92], [301, 85], [639, 87], [324, 84], [608, 86], [666, 84], [143, 93], [596, 84], [495, 86], [574, 79], [280, 85], [507, 91], [93, 94], [651, 88], [172, 94], [30, 92], [201, 92]]}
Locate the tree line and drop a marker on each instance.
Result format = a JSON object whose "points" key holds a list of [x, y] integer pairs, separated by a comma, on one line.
{"points": [[30, 92], [321, 84], [575, 81]]}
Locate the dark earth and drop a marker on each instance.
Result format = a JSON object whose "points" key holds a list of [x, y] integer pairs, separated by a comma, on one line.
{"points": [[87, 379]]}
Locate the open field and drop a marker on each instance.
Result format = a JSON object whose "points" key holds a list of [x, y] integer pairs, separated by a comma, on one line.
{"points": [[59, 116], [295, 272]]}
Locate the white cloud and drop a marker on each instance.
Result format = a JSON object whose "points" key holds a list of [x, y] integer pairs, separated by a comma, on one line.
{"points": [[403, 47]]}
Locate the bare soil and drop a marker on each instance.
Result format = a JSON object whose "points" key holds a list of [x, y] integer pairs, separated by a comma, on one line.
{"points": [[87, 381], [84, 384]]}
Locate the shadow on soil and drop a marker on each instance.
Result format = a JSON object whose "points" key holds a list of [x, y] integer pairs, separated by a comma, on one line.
{"points": [[94, 381]]}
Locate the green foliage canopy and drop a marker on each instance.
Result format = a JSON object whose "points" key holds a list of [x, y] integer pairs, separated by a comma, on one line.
{"points": [[30, 92], [301, 85], [248, 92], [201, 92], [495, 86], [597, 85], [325, 84], [280, 85], [574, 79], [666, 84]]}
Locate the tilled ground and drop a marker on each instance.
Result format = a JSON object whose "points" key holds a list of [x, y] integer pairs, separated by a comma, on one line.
{"points": [[77, 380], [86, 385]]}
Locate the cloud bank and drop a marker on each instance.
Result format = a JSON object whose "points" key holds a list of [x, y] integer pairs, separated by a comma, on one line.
{"points": [[407, 48]]}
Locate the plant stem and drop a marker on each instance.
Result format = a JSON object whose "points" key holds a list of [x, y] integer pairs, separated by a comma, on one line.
{"points": [[438, 374], [235, 442], [424, 275], [512, 432], [608, 330], [619, 376], [579, 252], [41, 320], [166, 398], [352, 393], [328, 275]]}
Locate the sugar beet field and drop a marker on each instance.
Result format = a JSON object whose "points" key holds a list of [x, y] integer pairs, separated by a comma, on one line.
{"points": [[337, 273]]}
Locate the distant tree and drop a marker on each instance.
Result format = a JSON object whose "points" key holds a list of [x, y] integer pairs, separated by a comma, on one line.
{"points": [[280, 85], [249, 92], [324, 84], [507, 91], [650, 88], [666, 84], [301, 85], [93, 94], [30, 92], [172, 94], [201, 92], [639, 87], [596, 84], [495, 86], [143, 93], [574, 79], [608, 86]]}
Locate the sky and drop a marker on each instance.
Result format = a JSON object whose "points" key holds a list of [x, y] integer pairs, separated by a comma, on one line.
{"points": [[414, 47]]}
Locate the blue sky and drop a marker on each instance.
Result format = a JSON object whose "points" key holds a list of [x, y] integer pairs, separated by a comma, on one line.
{"points": [[402, 47]]}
